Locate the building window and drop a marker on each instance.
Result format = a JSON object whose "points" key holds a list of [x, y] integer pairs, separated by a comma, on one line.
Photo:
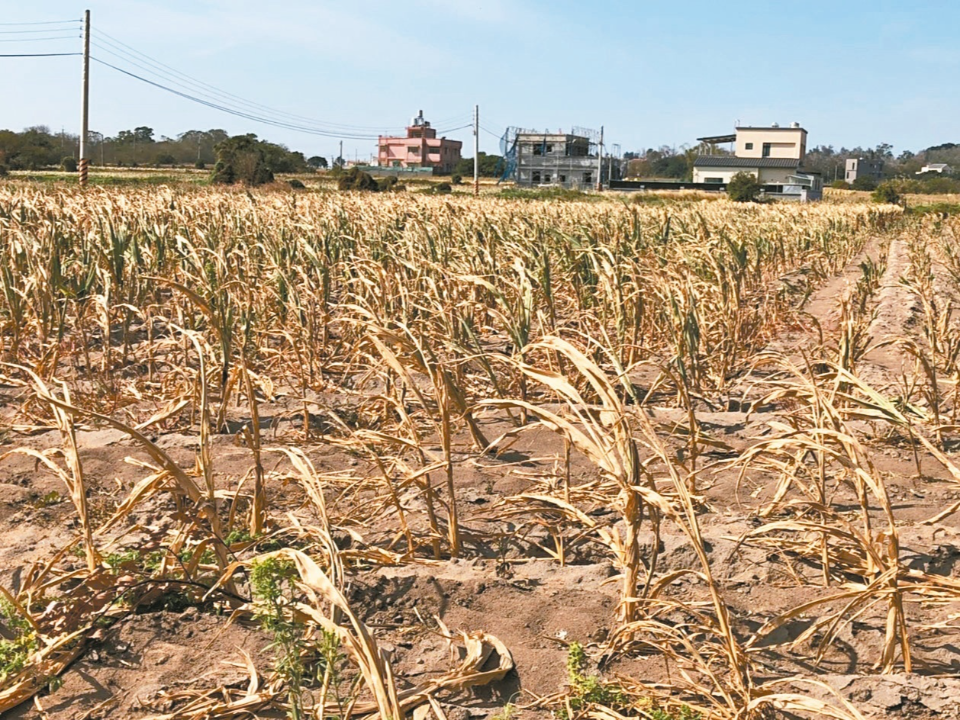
{"points": [[535, 177], [413, 149], [549, 148], [546, 177], [563, 178], [749, 146], [713, 180], [766, 149], [588, 178]]}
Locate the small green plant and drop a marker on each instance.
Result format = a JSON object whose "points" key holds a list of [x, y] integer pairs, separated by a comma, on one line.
{"points": [[208, 557], [590, 689], [586, 690], [508, 712], [15, 652], [456, 179], [69, 164], [117, 561], [51, 498], [238, 535], [272, 581], [330, 671], [296, 184]]}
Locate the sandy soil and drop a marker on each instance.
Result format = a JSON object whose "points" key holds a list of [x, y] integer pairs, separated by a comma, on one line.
{"points": [[506, 584]]}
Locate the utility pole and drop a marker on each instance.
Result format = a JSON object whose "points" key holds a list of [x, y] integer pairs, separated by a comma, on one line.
{"points": [[476, 150], [85, 113], [340, 155], [600, 162]]}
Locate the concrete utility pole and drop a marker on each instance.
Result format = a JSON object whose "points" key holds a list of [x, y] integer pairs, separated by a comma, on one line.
{"points": [[600, 162], [476, 150], [340, 156], [85, 113]]}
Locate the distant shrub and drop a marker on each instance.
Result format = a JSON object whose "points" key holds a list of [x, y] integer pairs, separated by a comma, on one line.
{"points": [[200, 165], [744, 187], [442, 188], [3, 169], [840, 185], [865, 182], [886, 192], [457, 179], [165, 159], [69, 164], [356, 179], [940, 185], [388, 183], [295, 184]]}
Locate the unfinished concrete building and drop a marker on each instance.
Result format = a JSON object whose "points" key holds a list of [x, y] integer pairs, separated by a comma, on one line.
{"points": [[560, 159]]}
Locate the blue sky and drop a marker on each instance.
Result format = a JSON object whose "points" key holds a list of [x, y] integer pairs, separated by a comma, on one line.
{"points": [[653, 73]]}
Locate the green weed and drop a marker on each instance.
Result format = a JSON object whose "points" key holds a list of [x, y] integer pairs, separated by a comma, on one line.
{"points": [[15, 652], [272, 581]]}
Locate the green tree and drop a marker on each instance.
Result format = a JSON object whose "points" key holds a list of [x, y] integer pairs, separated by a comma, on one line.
{"points": [[744, 187], [487, 166], [318, 162], [241, 159]]}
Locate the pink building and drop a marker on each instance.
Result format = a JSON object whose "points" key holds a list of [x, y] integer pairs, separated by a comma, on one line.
{"points": [[421, 148]]}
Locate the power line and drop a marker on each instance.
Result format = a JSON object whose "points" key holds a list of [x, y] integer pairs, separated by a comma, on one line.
{"points": [[199, 95], [32, 32], [201, 88], [43, 39], [232, 111], [46, 22], [26, 55]]}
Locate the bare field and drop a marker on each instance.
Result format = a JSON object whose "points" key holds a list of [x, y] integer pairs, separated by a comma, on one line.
{"points": [[266, 454]]}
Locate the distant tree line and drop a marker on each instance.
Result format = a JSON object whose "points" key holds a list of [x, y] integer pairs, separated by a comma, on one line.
{"points": [[38, 147], [665, 162], [488, 166]]}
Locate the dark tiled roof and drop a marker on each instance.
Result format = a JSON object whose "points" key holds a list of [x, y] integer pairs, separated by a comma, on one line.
{"points": [[720, 161]]}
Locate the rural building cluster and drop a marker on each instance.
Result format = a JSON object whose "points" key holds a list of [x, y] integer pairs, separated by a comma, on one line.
{"points": [[577, 160]]}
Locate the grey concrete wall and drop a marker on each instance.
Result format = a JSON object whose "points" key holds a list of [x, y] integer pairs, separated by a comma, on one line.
{"points": [[557, 169]]}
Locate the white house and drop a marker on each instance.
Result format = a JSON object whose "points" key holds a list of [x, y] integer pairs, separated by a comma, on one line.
{"points": [[935, 167], [774, 155]]}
